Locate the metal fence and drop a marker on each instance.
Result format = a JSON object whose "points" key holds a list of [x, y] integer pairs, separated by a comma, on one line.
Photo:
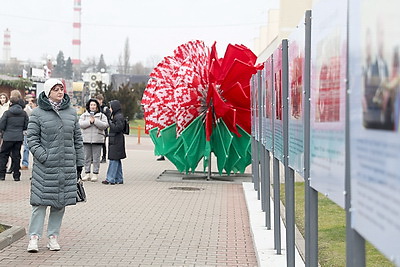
{"points": [[312, 112]]}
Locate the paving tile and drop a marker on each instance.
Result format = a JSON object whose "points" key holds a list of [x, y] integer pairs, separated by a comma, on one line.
{"points": [[140, 223]]}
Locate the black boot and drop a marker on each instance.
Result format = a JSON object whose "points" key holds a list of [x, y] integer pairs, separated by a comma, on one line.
{"points": [[17, 176]]}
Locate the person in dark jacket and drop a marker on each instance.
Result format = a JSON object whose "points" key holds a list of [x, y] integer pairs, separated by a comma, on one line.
{"points": [[13, 123], [116, 145], [106, 111], [55, 141]]}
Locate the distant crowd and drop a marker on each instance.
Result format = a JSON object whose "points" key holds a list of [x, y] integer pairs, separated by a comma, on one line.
{"points": [[94, 124], [62, 145]]}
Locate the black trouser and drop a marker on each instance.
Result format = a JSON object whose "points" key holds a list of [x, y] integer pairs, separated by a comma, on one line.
{"points": [[104, 144], [13, 148], [104, 151]]}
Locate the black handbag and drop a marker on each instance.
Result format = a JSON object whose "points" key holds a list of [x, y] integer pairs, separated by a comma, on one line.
{"points": [[80, 191]]}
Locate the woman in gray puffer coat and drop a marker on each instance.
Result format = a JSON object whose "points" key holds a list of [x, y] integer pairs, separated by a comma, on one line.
{"points": [[55, 141]]}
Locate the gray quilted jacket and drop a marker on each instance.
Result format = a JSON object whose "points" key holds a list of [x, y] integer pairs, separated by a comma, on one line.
{"points": [[55, 140], [93, 133]]}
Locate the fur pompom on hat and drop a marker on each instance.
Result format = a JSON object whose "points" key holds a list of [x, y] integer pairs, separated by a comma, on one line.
{"points": [[50, 83]]}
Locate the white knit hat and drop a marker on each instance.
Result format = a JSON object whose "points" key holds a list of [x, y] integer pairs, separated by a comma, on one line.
{"points": [[50, 83]]}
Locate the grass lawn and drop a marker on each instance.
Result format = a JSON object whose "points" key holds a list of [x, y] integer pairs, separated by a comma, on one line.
{"points": [[331, 232], [134, 127], [3, 228]]}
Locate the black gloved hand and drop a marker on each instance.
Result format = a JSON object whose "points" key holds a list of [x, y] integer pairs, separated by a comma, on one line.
{"points": [[79, 171]]}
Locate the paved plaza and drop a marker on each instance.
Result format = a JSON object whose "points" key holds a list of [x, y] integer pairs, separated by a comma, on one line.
{"points": [[147, 221]]}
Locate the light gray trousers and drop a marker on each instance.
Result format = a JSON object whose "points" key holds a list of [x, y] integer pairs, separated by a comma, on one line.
{"points": [[37, 221], [92, 154]]}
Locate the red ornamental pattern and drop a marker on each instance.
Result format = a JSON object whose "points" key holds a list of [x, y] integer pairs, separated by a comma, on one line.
{"points": [[195, 82]]}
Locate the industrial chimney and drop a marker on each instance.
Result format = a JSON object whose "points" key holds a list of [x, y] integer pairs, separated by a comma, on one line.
{"points": [[76, 41], [7, 46]]}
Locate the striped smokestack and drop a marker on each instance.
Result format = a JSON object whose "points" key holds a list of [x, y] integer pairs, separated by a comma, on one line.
{"points": [[76, 41], [7, 46]]}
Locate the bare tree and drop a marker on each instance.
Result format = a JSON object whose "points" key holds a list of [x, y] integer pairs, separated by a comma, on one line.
{"points": [[13, 67], [152, 61], [138, 68], [120, 68], [89, 65], [123, 60]]}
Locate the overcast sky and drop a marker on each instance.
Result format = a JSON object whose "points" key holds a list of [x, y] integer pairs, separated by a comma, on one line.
{"points": [[154, 27]]}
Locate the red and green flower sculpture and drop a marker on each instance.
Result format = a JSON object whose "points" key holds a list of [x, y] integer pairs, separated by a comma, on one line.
{"points": [[196, 104]]}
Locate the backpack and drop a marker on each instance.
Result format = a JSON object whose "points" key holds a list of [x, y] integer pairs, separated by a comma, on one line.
{"points": [[126, 128]]}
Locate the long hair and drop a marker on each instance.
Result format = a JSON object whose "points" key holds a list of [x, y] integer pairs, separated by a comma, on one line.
{"points": [[4, 94]]}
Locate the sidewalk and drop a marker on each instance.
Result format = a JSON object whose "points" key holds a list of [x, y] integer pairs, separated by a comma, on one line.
{"points": [[144, 222]]}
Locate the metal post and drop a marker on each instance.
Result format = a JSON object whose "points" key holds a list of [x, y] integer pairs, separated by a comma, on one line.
{"points": [[253, 125], [355, 243], [257, 169], [277, 211], [262, 177], [267, 190], [262, 138], [138, 137], [209, 167], [253, 161], [311, 195], [289, 173], [259, 143], [272, 146]]}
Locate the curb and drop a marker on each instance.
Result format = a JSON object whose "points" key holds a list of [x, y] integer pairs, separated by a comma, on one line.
{"points": [[299, 239], [263, 238], [11, 235]]}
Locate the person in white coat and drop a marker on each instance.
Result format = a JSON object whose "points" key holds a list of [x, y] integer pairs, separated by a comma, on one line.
{"points": [[4, 105], [93, 123]]}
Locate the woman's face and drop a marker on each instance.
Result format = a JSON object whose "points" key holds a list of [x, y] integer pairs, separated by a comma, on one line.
{"points": [[57, 93], [93, 106], [3, 99]]}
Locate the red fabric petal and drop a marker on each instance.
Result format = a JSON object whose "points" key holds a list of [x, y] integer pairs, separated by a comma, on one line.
{"points": [[237, 96], [237, 52], [239, 72], [194, 81]]}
